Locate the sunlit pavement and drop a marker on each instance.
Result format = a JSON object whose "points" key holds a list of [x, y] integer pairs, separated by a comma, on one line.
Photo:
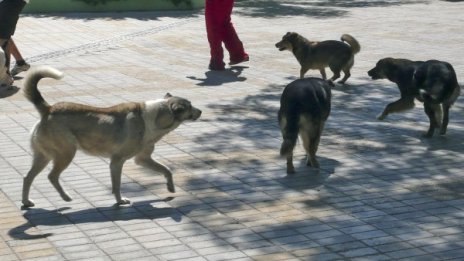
{"points": [[382, 192]]}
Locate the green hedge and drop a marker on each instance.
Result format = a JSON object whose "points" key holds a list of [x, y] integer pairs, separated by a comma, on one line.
{"points": [[57, 6]]}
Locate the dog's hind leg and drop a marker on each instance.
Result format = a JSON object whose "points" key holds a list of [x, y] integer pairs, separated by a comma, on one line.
{"points": [[290, 167], [336, 74], [116, 172], [144, 159], [305, 138], [346, 70], [444, 123], [324, 75], [39, 162], [347, 75], [404, 103], [311, 140], [431, 111], [60, 163], [289, 129]]}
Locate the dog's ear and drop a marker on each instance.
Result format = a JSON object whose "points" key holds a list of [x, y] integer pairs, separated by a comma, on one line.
{"points": [[288, 35], [291, 36], [167, 96], [177, 108]]}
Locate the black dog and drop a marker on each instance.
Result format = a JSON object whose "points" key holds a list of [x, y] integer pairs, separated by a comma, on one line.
{"points": [[304, 108], [432, 82]]}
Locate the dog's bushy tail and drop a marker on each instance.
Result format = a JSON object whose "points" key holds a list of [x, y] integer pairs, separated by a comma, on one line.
{"points": [[290, 134], [354, 44], [30, 86]]}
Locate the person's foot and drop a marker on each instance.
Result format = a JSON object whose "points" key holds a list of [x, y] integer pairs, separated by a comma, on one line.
{"points": [[20, 68], [245, 58], [215, 66]]}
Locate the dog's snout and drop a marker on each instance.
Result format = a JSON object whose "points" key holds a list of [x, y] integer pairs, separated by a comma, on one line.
{"points": [[196, 114], [373, 73]]}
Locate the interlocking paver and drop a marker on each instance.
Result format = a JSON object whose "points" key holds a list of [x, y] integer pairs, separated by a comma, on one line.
{"points": [[382, 192]]}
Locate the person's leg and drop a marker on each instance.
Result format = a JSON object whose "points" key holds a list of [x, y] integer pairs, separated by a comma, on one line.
{"points": [[231, 41], [14, 51], [21, 64], [214, 29], [9, 15]]}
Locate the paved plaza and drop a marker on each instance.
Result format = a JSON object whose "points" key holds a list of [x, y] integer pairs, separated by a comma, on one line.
{"points": [[382, 193]]}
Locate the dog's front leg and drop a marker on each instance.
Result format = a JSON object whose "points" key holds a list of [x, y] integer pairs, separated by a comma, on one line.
{"points": [[431, 111], [116, 172], [405, 103], [324, 75], [445, 120], [150, 163], [303, 70], [144, 159]]}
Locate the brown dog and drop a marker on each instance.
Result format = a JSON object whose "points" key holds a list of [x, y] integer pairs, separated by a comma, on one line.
{"points": [[336, 55], [120, 132], [432, 82]]}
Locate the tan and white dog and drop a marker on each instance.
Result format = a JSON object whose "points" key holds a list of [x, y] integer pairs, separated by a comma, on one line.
{"points": [[5, 79], [120, 132]]}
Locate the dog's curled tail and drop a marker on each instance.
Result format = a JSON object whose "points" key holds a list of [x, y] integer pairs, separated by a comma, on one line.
{"points": [[354, 44], [30, 86]]}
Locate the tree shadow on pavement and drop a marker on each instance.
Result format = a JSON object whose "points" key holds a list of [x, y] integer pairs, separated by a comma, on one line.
{"points": [[143, 16], [380, 183], [311, 8], [60, 217]]}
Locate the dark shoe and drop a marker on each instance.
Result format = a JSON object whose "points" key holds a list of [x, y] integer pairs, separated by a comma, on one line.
{"points": [[245, 58], [216, 67], [20, 68]]}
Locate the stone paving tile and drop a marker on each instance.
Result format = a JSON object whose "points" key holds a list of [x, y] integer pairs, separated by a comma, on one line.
{"points": [[382, 193]]}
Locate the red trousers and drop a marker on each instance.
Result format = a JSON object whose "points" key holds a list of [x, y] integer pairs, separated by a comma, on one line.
{"points": [[220, 30]]}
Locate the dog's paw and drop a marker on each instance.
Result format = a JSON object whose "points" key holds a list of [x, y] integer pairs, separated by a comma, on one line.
{"points": [[171, 188], [290, 170], [67, 198], [313, 164], [124, 201], [381, 117], [27, 204], [427, 135]]}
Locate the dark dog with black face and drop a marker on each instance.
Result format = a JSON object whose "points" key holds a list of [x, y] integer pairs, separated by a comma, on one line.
{"points": [[336, 55], [432, 82], [304, 108]]}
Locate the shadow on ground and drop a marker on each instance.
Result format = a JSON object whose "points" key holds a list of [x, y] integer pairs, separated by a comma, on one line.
{"points": [[217, 78], [144, 16], [312, 8], [62, 216], [381, 176]]}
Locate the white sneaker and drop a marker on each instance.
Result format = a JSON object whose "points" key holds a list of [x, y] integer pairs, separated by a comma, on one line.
{"points": [[19, 68]]}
